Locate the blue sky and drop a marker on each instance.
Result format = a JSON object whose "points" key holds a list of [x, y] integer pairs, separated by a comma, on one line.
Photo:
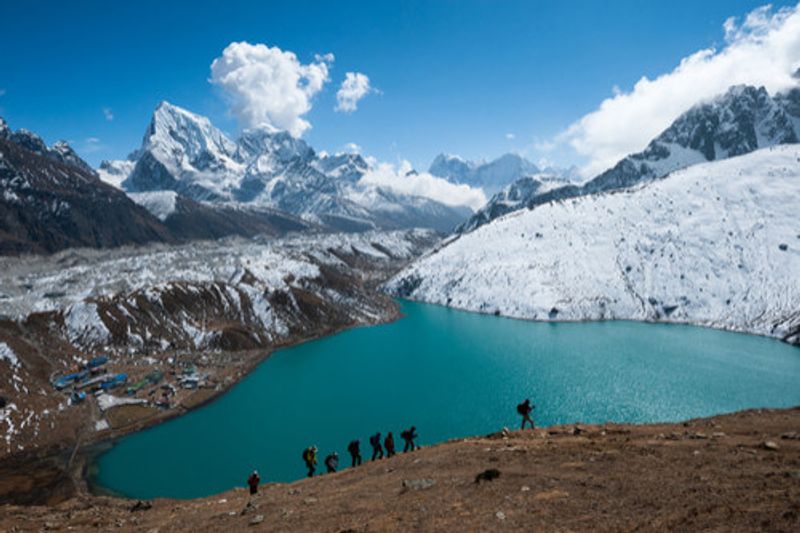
{"points": [[452, 76]]}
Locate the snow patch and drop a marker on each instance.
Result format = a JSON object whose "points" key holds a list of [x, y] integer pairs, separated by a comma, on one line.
{"points": [[6, 353], [161, 204], [84, 326]]}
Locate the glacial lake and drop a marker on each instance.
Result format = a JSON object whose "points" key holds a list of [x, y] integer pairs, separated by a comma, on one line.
{"points": [[452, 374]]}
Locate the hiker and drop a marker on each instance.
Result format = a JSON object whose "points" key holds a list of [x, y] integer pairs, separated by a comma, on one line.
{"points": [[310, 458], [409, 435], [525, 409], [355, 451], [377, 449], [332, 462], [253, 482], [388, 443]]}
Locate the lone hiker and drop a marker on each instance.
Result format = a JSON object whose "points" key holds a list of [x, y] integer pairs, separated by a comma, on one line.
{"points": [[253, 482], [388, 443], [525, 409], [332, 462], [377, 449], [310, 458], [355, 451], [409, 435]]}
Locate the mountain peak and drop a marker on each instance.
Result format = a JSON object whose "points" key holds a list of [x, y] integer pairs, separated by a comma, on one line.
{"points": [[490, 176], [182, 134], [29, 140], [271, 141]]}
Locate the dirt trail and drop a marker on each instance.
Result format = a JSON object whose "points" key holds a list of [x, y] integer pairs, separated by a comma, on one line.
{"points": [[734, 472]]}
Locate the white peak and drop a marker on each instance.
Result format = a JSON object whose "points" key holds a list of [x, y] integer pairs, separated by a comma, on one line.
{"points": [[175, 130], [62, 147]]}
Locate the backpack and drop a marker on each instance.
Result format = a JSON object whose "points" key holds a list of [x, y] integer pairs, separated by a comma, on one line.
{"points": [[405, 435], [307, 455], [522, 409]]}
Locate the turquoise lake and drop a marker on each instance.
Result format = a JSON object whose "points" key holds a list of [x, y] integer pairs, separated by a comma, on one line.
{"points": [[452, 374]]}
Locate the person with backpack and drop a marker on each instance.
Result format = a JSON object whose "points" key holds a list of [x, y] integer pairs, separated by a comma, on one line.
{"points": [[525, 409], [408, 436], [388, 443], [355, 451], [310, 458], [253, 482], [377, 449], [332, 462]]}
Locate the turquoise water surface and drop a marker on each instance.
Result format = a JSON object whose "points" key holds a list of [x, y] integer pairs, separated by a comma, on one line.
{"points": [[451, 374]]}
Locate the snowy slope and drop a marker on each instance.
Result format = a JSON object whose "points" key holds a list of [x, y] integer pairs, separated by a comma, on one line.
{"points": [[161, 204], [716, 244], [115, 172]]}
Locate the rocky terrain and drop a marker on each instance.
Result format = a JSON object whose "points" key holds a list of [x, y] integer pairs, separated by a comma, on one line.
{"points": [[716, 244], [738, 472], [738, 122], [181, 323], [52, 200]]}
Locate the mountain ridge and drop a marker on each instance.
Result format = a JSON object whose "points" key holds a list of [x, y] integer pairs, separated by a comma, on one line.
{"points": [[737, 122], [266, 168]]}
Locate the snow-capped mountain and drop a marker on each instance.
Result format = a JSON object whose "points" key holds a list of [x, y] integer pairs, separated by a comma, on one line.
{"points": [[51, 199], [61, 151], [265, 168], [115, 172], [744, 119], [513, 197], [716, 244], [490, 176]]}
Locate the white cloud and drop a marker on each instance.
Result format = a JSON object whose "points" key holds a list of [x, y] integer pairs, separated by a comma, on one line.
{"points": [[352, 148], [269, 87], [543, 145], [354, 87], [108, 114], [764, 49], [92, 145], [510, 136], [403, 180], [545, 162]]}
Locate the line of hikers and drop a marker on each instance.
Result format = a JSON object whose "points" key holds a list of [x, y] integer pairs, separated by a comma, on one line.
{"points": [[354, 448], [524, 409]]}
